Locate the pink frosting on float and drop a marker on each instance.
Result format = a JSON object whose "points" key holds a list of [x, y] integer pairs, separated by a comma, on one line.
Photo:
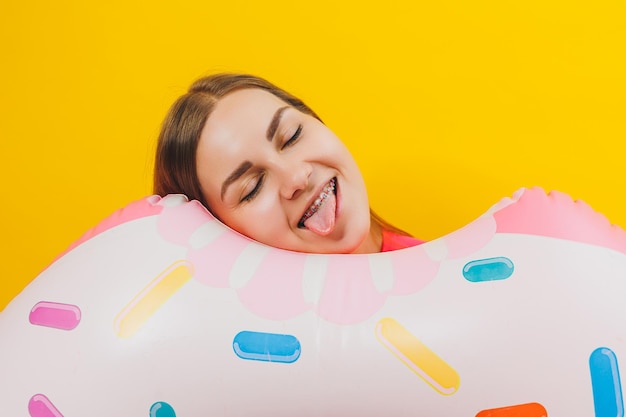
{"points": [[177, 223], [470, 238], [412, 270], [213, 262], [557, 215], [349, 294], [276, 296]]}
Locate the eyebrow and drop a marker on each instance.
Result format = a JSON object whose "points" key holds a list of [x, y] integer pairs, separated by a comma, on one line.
{"points": [[246, 165], [235, 175], [271, 129]]}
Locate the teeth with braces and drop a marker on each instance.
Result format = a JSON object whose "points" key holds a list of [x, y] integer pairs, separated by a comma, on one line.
{"points": [[319, 202]]}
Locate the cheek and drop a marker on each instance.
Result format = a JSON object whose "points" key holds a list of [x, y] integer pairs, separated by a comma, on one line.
{"points": [[258, 220], [340, 153]]}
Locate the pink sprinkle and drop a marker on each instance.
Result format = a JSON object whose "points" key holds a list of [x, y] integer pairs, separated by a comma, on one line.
{"points": [[40, 406], [55, 315]]}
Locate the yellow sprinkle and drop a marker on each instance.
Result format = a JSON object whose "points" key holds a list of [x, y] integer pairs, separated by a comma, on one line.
{"points": [[151, 298], [417, 356]]}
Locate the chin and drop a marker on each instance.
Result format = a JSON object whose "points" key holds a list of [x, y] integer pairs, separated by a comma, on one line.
{"points": [[356, 243]]}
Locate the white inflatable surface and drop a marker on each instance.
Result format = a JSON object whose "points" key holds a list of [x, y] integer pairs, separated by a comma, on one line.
{"points": [[162, 311]]}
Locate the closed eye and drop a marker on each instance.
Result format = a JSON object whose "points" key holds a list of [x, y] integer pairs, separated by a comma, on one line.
{"points": [[255, 190], [293, 138]]}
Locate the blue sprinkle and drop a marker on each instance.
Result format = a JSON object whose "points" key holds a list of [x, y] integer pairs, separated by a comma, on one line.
{"points": [[162, 409], [605, 382], [491, 269], [267, 347]]}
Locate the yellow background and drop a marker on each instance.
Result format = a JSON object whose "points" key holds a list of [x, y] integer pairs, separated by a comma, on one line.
{"points": [[447, 105]]}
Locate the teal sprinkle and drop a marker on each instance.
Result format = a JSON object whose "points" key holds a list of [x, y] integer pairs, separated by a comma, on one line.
{"points": [[162, 409]]}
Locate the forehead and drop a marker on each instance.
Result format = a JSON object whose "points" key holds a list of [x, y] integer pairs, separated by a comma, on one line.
{"points": [[244, 107], [239, 116]]}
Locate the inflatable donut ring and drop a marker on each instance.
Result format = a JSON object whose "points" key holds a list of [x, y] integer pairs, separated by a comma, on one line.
{"points": [[163, 311]]}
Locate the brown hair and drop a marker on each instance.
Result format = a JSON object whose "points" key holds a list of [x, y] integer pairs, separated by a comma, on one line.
{"points": [[175, 162]]}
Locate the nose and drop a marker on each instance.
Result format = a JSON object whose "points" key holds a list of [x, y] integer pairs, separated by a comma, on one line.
{"points": [[295, 179]]}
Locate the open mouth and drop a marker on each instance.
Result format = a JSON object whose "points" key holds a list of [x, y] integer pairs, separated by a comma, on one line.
{"points": [[327, 191]]}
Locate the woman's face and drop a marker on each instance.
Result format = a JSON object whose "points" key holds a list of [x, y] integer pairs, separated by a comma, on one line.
{"points": [[281, 177]]}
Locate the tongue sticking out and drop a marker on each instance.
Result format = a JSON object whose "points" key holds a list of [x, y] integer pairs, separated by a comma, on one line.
{"points": [[323, 221]]}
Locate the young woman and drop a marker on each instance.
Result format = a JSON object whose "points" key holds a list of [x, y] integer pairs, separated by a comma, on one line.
{"points": [[265, 165]]}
